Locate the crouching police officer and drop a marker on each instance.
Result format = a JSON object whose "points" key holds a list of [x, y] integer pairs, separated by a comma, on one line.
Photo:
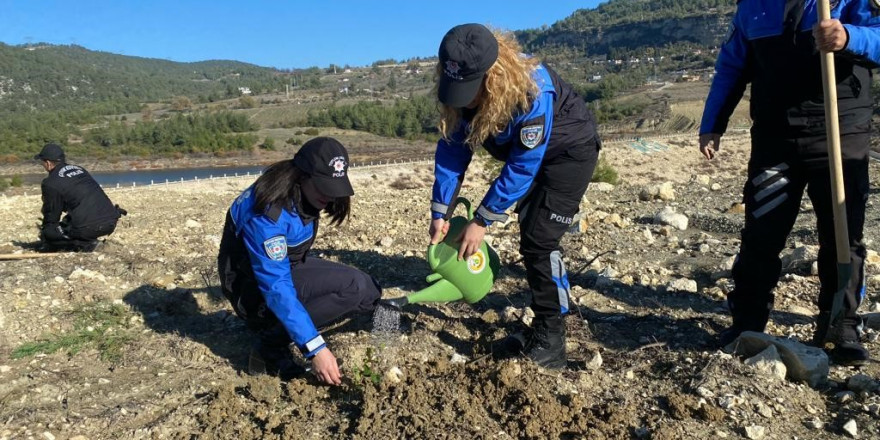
{"points": [[71, 189], [283, 296], [771, 45]]}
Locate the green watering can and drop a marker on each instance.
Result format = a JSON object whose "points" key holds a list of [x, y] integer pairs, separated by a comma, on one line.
{"points": [[454, 280]]}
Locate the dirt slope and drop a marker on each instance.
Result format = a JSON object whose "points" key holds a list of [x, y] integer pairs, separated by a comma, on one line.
{"points": [[161, 356]]}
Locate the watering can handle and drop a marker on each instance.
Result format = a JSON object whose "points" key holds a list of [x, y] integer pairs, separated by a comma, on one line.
{"points": [[467, 204]]}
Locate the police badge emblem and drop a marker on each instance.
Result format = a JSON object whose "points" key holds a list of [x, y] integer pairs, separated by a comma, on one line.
{"points": [[276, 248], [531, 136]]}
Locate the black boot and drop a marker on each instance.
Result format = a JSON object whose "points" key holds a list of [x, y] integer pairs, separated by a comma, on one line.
{"points": [[546, 347], [729, 335], [821, 336], [278, 363], [512, 345], [841, 343], [756, 321]]}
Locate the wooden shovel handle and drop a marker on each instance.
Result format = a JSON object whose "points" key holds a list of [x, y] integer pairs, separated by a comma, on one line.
{"points": [[835, 162], [29, 255]]}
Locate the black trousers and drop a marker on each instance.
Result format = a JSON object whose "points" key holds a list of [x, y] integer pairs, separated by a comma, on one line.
{"points": [[76, 239], [545, 214], [327, 290], [778, 172]]}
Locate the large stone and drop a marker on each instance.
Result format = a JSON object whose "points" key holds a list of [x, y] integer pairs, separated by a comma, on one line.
{"points": [[394, 375], [800, 259], [851, 429], [768, 362], [616, 220], [649, 237], [666, 192], [595, 362], [80, 273], [663, 191], [861, 383], [601, 186], [386, 241], [755, 432], [682, 285], [511, 314], [872, 320], [804, 363], [872, 260], [668, 216]]}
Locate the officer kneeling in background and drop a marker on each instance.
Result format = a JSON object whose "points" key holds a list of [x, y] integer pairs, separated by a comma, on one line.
{"points": [[71, 189]]}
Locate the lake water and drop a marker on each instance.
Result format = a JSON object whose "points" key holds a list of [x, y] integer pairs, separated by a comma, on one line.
{"points": [[145, 177]]}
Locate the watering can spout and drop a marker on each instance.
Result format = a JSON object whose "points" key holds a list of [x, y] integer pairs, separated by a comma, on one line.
{"points": [[441, 291], [396, 303]]}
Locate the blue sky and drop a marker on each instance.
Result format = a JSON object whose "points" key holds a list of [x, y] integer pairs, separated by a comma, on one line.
{"points": [[281, 34]]}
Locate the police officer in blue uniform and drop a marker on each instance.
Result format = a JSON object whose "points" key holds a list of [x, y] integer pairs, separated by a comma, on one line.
{"points": [[774, 45], [282, 295], [72, 190], [524, 115]]}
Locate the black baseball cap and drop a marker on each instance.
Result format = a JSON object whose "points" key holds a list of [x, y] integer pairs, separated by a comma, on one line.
{"points": [[466, 54], [325, 160], [51, 152]]}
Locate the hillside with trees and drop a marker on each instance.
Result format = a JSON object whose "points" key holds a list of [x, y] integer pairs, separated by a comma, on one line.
{"points": [[66, 78], [623, 25], [69, 94]]}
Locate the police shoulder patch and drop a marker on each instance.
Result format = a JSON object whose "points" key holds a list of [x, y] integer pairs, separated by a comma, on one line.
{"points": [[531, 136], [276, 247]]}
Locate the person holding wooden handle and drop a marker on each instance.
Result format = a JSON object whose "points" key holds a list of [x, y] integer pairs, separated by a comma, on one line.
{"points": [[775, 46]]}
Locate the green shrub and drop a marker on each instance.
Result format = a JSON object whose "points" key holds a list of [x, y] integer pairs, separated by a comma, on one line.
{"points": [[102, 326], [605, 173], [246, 102], [4, 185], [312, 131], [268, 144], [16, 181]]}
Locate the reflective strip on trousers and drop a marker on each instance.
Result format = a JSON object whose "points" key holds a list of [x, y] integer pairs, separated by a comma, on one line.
{"points": [[560, 277]]}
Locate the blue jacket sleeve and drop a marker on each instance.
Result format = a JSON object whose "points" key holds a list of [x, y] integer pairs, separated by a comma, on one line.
{"points": [[522, 164], [862, 24], [729, 84], [276, 284], [450, 162]]}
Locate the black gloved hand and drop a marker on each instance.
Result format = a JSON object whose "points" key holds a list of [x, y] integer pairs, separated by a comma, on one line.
{"points": [[122, 212]]}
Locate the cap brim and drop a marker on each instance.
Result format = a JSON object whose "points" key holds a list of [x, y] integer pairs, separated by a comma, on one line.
{"points": [[38, 157], [458, 94], [334, 186]]}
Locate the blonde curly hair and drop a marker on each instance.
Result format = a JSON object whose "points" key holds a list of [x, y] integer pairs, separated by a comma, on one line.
{"points": [[507, 89]]}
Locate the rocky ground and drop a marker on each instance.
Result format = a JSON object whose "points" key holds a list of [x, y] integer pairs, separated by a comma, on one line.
{"points": [[132, 341]]}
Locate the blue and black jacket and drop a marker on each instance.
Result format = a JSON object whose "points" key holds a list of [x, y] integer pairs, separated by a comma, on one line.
{"points": [[771, 46], [71, 189], [557, 120], [261, 249]]}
